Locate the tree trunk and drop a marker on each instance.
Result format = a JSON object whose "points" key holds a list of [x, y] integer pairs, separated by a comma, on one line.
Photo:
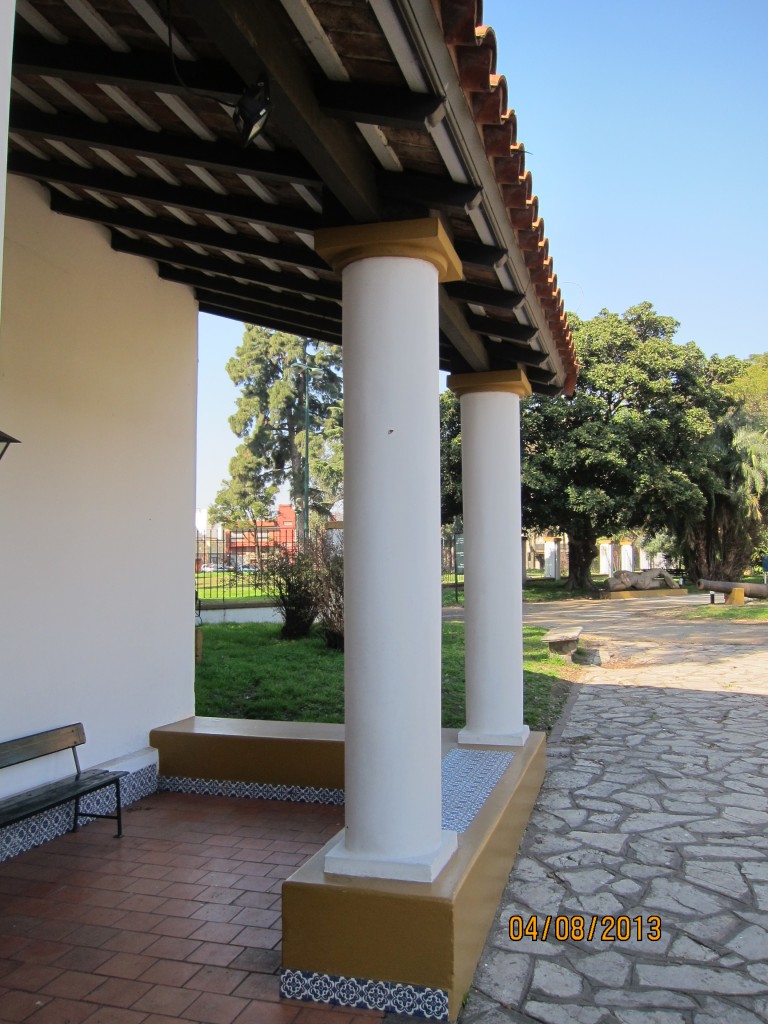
{"points": [[582, 551]]}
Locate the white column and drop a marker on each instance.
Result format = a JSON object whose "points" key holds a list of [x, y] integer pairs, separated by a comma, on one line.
{"points": [[392, 595], [7, 15], [493, 600]]}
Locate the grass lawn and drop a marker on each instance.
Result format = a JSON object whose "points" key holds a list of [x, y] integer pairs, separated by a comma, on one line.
{"points": [[749, 613], [247, 671]]}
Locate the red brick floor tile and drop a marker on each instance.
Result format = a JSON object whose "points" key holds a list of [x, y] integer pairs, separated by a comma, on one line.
{"points": [[280, 857], [183, 875], [263, 961], [73, 985], [83, 958], [94, 935], [165, 999], [212, 1008], [223, 980], [118, 992], [215, 954], [282, 871], [102, 917], [217, 931], [31, 977], [264, 900], [142, 902], [259, 986], [256, 917], [137, 921], [179, 908], [222, 893], [179, 926], [221, 912], [114, 1015], [59, 1011], [267, 1013], [169, 947], [126, 965], [171, 972], [6, 966], [149, 886], [255, 867], [255, 883], [54, 931], [129, 942], [41, 952], [180, 890], [18, 1006], [264, 938], [156, 871]]}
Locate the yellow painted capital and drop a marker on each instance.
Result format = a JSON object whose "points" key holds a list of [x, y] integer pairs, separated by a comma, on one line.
{"points": [[513, 382], [423, 239]]}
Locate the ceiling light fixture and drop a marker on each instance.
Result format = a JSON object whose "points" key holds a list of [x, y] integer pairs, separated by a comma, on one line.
{"points": [[252, 111], [5, 441]]}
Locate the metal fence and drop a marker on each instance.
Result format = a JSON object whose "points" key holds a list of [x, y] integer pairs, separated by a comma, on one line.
{"points": [[233, 565]]}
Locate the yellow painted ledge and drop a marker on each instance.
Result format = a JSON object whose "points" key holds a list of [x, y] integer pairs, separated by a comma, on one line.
{"points": [[428, 935], [241, 750]]}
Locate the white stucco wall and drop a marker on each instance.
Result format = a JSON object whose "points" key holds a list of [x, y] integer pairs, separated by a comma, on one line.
{"points": [[98, 362]]}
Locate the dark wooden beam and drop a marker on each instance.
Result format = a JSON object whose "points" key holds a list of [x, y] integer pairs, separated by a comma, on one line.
{"points": [[111, 183], [473, 254], [293, 321], [226, 268], [257, 38], [248, 316], [364, 103], [482, 295], [175, 231], [540, 376], [548, 390], [505, 355], [181, 149], [151, 72], [430, 190], [252, 294], [506, 329]]}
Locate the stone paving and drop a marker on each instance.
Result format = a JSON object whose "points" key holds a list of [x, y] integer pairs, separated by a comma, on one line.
{"points": [[655, 804]]}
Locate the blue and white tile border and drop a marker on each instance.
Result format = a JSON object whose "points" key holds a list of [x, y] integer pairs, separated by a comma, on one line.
{"points": [[361, 994], [250, 790], [41, 828], [468, 776]]}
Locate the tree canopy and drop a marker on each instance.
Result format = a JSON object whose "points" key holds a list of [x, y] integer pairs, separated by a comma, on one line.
{"points": [[653, 439], [272, 370]]}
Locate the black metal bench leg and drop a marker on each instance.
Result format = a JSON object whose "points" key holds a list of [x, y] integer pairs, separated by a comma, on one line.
{"points": [[76, 821], [118, 810]]}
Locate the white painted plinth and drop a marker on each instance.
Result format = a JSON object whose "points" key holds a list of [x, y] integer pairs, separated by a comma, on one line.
{"points": [[493, 602], [392, 572], [339, 861]]}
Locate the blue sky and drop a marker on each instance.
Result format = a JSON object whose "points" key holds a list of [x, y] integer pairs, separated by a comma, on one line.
{"points": [[646, 130]]}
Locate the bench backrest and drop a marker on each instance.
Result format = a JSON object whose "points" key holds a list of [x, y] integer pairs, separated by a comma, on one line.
{"points": [[38, 745]]}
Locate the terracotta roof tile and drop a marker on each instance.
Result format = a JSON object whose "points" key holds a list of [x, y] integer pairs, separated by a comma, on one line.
{"points": [[474, 51]]}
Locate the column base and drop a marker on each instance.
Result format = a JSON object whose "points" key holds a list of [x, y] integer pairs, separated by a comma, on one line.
{"points": [[338, 861], [475, 737]]}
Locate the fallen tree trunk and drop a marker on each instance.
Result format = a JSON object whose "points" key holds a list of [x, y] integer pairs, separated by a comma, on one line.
{"points": [[721, 587]]}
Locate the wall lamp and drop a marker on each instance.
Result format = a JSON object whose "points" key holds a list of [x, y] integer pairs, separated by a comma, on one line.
{"points": [[5, 441], [252, 111]]}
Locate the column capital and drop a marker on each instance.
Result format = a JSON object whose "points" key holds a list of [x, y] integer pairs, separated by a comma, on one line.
{"points": [[513, 382], [423, 239]]}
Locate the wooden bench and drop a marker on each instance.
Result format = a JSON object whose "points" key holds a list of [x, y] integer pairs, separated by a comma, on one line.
{"points": [[54, 794], [563, 640]]}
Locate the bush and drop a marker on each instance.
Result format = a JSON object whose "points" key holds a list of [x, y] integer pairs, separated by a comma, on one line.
{"points": [[293, 576], [331, 581]]}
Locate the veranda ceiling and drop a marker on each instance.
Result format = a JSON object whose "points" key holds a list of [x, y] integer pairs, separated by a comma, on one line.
{"points": [[382, 110]]}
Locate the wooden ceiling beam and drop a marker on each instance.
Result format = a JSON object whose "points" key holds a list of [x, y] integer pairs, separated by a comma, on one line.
{"points": [[111, 183], [486, 257], [251, 294], [430, 190], [257, 39], [506, 329], [482, 295], [151, 72], [506, 354], [363, 103], [226, 268], [175, 231], [251, 316], [293, 320], [180, 149]]}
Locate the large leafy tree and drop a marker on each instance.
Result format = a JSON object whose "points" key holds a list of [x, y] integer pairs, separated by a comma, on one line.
{"points": [[277, 373], [633, 446], [450, 458]]}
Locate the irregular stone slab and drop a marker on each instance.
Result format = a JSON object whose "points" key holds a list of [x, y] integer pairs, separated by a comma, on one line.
{"points": [[588, 880], [646, 998], [684, 948], [554, 980], [584, 858], [503, 977], [752, 943], [715, 929], [650, 1017], [718, 1012], [680, 897], [720, 876], [698, 979], [610, 969], [557, 1013]]}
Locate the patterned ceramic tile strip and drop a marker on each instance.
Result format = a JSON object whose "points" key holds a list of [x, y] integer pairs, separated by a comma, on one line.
{"points": [[385, 996]]}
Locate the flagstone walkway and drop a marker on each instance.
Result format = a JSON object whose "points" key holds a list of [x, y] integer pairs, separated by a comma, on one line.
{"points": [[653, 816]]}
